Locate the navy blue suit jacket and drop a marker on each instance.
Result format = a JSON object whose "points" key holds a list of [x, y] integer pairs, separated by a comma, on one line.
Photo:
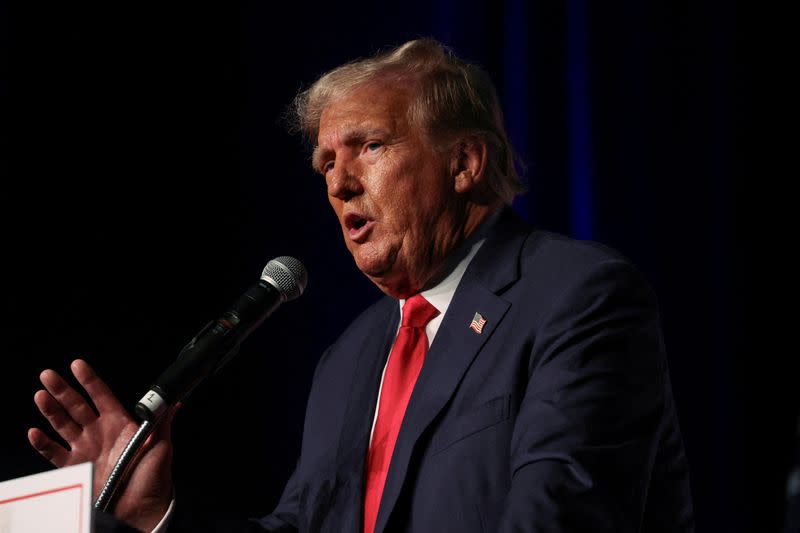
{"points": [[558, 417]]}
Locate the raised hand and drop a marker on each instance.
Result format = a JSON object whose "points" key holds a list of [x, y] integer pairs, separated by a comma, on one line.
{"points": [[100, 436]]}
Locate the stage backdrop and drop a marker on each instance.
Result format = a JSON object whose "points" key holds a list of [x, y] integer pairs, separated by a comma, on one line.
{"points": [[149, 177]]}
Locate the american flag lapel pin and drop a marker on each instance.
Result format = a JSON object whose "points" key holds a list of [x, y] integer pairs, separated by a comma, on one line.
{"points": [[477, 323]]}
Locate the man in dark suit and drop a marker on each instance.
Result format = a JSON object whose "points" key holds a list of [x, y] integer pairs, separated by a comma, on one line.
{"points": [[511, 379]]}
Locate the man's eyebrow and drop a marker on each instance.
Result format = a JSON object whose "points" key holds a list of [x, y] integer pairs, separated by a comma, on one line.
{"points": [[316, 158]]}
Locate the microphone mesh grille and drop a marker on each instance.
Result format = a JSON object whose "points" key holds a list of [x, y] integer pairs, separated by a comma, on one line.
{"points": [[289, 274]]}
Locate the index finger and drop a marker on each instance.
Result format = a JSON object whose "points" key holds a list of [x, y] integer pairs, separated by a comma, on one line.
{"points": [[104, 400]]}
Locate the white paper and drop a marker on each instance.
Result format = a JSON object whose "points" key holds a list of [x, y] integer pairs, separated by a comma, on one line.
{"points": [[57, 501]]}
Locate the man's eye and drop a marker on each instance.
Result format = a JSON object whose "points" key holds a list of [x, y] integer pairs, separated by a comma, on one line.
{"points": [[373, 146], [327, 167]]}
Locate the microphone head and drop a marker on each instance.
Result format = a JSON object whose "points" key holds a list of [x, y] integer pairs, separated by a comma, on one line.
{"points": [[286, 274]]}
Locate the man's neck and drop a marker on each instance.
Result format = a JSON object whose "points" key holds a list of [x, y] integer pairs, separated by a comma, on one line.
{"points": [[461, 251]]}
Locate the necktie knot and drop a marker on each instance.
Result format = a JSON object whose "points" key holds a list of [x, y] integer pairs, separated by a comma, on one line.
{"points": [[417, 312]]}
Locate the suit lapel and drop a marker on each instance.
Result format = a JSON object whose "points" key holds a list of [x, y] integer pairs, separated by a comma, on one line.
{"points": [[455, 346], [360, 411]]}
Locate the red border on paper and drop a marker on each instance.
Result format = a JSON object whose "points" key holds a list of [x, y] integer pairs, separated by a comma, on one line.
{"points": [[51, 491]]}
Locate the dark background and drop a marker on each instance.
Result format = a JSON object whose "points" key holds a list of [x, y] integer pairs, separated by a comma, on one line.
{"points": [[147, 178]]}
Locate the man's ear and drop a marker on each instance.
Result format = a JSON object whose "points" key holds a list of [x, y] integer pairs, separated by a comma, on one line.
{"points": [[469, 164]]}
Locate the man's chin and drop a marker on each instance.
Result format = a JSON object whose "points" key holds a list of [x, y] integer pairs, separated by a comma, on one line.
{"points": [[372, 264], [383, 271], [376, 275]]}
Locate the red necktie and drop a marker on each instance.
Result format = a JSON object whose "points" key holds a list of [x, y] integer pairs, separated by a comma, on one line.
{"points": [[405, 362]]}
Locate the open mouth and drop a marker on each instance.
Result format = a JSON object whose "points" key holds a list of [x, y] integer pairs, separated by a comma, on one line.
{"points": [[355, 221], [357, 225]]}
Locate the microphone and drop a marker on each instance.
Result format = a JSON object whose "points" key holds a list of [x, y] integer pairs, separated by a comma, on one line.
{"points": [[283, 279]]}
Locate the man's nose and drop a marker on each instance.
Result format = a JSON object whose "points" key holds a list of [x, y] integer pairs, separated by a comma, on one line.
{"points": [[343, 182]]}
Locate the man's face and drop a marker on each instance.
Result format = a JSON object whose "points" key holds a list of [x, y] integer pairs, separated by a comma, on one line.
{"points": [[391, 190]]}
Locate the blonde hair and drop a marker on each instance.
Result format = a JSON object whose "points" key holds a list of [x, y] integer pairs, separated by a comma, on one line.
{"points": [[454, 99]]}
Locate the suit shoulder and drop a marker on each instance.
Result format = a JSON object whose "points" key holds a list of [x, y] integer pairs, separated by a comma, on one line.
{"points": [[559, 261], [557, 247]]}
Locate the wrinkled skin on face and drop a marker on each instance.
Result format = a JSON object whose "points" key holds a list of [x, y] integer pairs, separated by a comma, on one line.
{"points": [[402, 205]]}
